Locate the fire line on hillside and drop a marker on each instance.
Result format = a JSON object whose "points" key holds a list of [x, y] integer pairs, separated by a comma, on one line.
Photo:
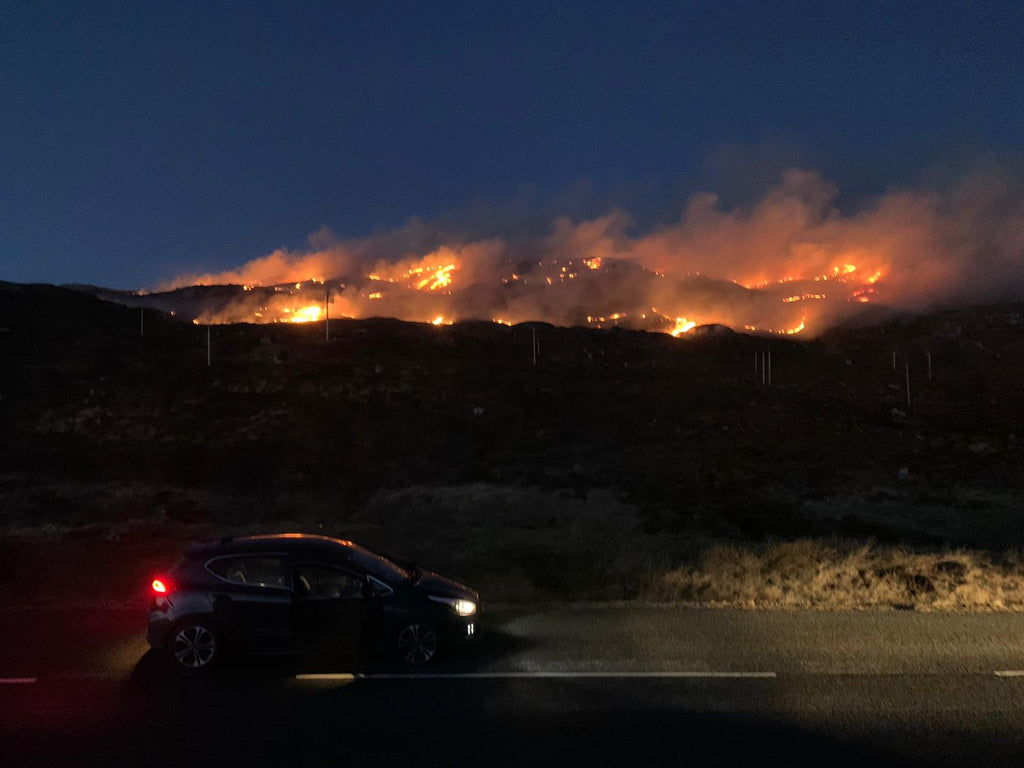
{"points": [[597, 293], [791, 262]]}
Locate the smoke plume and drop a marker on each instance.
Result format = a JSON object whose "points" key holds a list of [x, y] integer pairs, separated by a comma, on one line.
{"points": [[791, 261]]}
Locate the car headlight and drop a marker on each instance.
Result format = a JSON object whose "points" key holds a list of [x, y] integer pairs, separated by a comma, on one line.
{"points": [[461, 607]]}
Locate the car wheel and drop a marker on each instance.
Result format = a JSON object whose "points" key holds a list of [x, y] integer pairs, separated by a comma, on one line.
{"points": [[416, 644], [194, 645]]}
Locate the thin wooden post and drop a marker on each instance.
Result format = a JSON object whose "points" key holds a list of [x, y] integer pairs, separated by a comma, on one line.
{"points": [[906, 369], [208, 356], [929, 365], [534, 330], [763, 377], [142, 321], [769, 367], [327, 313]]}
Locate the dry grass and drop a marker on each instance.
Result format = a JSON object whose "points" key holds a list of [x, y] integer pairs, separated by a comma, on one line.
{"points": [[515, 544], [814, 574]]}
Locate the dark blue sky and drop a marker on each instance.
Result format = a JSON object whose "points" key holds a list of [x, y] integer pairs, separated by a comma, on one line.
{"points": [[140, 140]]}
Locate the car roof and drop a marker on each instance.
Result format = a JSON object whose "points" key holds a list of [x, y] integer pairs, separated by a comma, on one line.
{"points": [[278, 542]]}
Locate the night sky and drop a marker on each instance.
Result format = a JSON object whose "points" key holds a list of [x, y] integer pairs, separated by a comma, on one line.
{"points": [[142, 140]]}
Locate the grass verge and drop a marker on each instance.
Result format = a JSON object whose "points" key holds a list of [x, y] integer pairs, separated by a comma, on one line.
{"points": [[101, 544], [838, 575]]}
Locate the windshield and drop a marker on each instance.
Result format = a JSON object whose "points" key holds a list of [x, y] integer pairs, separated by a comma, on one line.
{"points": [[377, 565]]}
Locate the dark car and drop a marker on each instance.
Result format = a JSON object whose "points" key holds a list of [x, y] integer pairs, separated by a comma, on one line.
{"points": [[299, 593]]}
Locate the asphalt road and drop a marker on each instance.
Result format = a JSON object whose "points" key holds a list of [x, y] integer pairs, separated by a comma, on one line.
{"points": [[604, 685]]}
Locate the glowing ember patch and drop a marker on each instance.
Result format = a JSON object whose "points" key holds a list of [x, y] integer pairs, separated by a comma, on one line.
{"points": [[499, 321], [594, 263], [838, 272], [437, 320], [376, 295], [782, 332], [430, 277], [803, 297]]}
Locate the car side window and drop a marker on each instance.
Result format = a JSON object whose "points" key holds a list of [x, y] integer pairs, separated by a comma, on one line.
{"points": [[250, 570], [322, 581]]}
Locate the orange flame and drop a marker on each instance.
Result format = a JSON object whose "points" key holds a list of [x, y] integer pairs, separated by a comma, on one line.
{"points": [[309, 314], [682, 326]]}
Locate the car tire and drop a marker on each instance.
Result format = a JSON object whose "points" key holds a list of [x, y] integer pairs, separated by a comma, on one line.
{"points": [[193, 646], [416, 643]]}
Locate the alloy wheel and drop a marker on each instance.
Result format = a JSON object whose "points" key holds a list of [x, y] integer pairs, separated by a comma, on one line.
{"points": [[194, 646], [417, 644]]}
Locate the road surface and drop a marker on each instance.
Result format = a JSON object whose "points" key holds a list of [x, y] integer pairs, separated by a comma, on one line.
{"points": [[553, 685]]}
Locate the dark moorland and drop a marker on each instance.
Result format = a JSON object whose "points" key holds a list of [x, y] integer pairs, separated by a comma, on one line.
{"points": [[617, 454]]}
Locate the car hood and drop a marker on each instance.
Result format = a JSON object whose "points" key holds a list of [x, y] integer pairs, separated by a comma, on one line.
{"points": [[436, 584]]}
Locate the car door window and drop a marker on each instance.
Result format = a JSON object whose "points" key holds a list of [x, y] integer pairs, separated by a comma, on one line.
{"points": [[321, 581], [250, 570]]}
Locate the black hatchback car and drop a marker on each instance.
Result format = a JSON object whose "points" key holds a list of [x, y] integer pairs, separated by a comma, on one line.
{"points": [[300, 593]]}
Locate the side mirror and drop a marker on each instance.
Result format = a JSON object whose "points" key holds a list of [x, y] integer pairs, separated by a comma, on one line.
{"points": [[374, 588]]}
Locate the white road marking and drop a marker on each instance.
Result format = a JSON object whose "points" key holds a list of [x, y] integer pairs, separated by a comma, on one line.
{"points": [[17, 680], [1010, 673], [539, 676]]}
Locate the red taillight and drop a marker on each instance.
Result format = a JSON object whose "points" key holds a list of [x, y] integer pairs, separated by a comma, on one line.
{"points": [[159, 587]]}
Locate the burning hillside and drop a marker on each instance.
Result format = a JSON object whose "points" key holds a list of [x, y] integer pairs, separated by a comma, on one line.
{"points": [[598, 293], [790, 264]]}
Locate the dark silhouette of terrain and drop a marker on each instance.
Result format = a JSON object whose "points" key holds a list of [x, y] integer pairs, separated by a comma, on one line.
{"points": [[680, 431]]}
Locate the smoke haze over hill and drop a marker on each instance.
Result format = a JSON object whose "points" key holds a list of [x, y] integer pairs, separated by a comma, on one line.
{"points": [[791, 259]]}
